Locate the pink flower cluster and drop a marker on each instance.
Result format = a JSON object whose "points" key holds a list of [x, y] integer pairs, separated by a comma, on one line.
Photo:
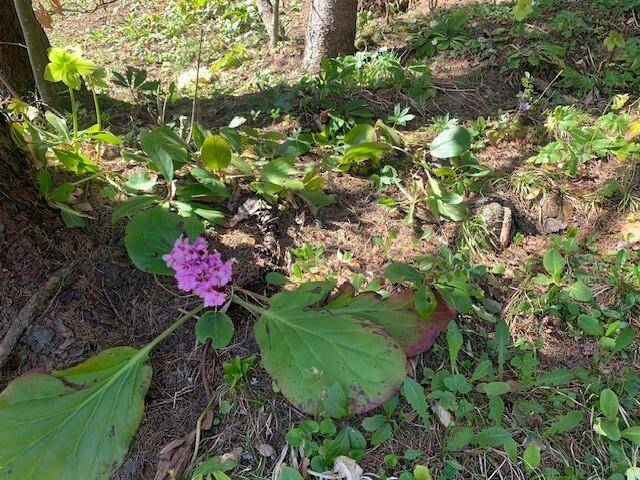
{"points": [[199, 271]]}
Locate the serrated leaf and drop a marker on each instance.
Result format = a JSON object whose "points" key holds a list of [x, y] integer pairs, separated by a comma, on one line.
{"points": [[555, 378], [152, 233], [361, 133], [502, 342], [459, 439], [522, 9], [292, 148], [277, 279], [452, 142], [413, 392], [364, 151], [532, 456], [580, 292], [607, 428], [496, 409], [215, 326], [336, 403], [590, 325], [307, 348], [492, 437], [401, 272], [564, 423], [139, 181], [483, 369], [454, 343], [288, 473], [382, 434], [74, 424], [494, 388], [165, 149]]}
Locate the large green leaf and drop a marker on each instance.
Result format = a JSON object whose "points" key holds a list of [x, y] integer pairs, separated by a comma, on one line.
{"points": [[165, 149], [364, 151], [215, 153], [74, 424], [452, 142], [152, 233], [398, 316], [307, 348]]}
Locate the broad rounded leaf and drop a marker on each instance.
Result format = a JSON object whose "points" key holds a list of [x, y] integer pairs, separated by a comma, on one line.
{"points": [[152, 233], [308, 348], [364, 151], [215, 153], [609, 403], [580, 292], [217, 327], [399, 318], [452, 142], [361, 133], [74, 424]]}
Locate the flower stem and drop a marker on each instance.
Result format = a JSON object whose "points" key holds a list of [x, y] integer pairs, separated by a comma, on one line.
{"points": [[98, 122], [255, 309], [74, 114], [174, 326]]}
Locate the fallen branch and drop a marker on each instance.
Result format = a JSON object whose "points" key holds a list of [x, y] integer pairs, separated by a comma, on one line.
{"points": [[31, 310]]}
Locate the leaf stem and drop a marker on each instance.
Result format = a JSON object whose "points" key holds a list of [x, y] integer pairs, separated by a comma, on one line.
{"points": [[98, 122], [74, 114]]}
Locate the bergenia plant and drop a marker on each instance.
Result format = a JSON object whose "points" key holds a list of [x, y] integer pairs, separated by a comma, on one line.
{"points": [[331, 354], [199, 271]]}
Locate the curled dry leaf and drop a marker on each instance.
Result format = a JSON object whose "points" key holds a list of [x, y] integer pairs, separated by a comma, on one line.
{"points": [[443, 414], [175, 456], [347, 468], [630, 232]]}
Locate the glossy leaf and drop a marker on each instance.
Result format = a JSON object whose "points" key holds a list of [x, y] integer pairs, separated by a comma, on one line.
{"points": [[397, 315], [74, 424], [215, 326], [452, 142], [215, 153], [132, 206], [307, 348], [152, 233]]}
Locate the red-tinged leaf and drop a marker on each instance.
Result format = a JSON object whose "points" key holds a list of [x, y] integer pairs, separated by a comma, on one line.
{"points": [[308, 348], [412, 332]]}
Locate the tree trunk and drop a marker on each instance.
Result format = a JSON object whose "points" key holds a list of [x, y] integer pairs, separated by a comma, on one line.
{"points": [[270, 14], [15, 70], [17, 175], [331, 30], [37, 45]]}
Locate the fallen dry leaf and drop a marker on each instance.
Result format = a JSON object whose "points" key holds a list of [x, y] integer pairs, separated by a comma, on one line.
{"points": [[631, 232]]}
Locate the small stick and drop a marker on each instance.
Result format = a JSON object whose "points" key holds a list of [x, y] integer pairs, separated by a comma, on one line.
{"points": [[30, 310], [195, 93]]}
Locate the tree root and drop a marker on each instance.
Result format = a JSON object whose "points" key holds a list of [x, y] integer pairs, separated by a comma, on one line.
{"points": [[31, 310]]}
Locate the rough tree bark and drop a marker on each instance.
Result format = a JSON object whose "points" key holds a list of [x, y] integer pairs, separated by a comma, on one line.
{"points": [[331, 30], [16, 171], [37, 43], [15, 69]]}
